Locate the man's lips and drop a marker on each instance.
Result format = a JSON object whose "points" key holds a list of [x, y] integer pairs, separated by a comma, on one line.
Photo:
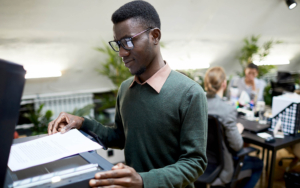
{"points": [[127, 61]]}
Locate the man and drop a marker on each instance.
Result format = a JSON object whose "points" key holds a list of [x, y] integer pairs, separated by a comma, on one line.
{"points": [[250, 84], [161, 115]]}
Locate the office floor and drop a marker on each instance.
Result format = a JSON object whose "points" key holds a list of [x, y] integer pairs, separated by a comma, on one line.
{"points": [[279, 170]]}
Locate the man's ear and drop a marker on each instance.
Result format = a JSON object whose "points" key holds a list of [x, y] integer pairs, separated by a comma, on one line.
{"points": [[156, 35]]}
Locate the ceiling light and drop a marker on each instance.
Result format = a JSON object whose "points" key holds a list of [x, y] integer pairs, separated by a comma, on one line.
{"points": [[41, 72], [272, 62], [189, 65], [291, 4]]}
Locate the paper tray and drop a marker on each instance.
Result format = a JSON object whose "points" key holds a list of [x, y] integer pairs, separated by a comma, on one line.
{"points": [[78, 160]]}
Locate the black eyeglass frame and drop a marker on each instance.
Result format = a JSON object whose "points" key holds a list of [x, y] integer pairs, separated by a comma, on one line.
{"points": [[128, 39]]}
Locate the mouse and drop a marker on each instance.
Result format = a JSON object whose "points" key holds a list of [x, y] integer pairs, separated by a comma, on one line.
{"points": [[270, 140]]}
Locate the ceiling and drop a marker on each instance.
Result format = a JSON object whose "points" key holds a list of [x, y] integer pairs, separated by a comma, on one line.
{"points": [[64, 33]]}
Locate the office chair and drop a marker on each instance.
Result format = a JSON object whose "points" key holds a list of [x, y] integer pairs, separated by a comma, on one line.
{"points": [[214, 152]]}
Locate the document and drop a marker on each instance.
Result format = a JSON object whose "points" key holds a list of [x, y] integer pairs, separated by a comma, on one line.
{"points": [[48, 149]]}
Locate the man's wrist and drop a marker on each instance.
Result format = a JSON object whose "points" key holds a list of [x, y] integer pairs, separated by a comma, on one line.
{"points": [[141, 180], [80, 123]]}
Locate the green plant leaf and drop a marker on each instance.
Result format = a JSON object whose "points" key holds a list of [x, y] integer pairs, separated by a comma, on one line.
{"points": [[84, 111], [251, 49], [113, 67], [40, 121]]}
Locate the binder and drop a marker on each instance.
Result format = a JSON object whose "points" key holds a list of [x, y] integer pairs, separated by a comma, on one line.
{"points": [[290, 119]]}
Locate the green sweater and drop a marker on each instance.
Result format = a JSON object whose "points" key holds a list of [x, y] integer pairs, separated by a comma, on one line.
{"points": [[163, 134]]}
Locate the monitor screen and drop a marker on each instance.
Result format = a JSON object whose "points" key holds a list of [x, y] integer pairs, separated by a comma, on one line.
{"points": [[12, 80]]}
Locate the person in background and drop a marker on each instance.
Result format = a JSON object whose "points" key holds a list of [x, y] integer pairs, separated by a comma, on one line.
{"points": [[215, 85], [161, 115], [253, 86]]}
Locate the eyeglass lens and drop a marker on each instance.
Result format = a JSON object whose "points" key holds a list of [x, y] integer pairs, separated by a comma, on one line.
{"points": [[115, 46], [126, 43]]}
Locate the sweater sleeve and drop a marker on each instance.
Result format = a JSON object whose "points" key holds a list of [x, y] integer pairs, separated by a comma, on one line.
{"points": [[113, 136], [192, 160]]}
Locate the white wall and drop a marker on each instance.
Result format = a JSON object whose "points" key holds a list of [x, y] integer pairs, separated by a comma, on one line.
{"points": [[63, 33]]}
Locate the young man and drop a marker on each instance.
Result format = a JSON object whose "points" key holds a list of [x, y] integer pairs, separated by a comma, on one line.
{"points": [[161, 115], [250, 84]]}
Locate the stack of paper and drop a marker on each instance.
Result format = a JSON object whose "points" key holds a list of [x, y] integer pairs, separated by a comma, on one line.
{"points": [[49, 148]]}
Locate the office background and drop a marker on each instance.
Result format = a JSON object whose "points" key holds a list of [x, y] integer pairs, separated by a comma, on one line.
{"points": [[62, 35]]}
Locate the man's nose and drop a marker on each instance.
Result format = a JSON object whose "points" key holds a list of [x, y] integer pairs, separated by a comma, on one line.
{"points": [[123, 52]]}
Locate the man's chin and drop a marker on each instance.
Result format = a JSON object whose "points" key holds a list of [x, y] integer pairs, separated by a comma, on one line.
{"points": [[139, 72]]}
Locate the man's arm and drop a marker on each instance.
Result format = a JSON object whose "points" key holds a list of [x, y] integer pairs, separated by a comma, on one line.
{"points": [[112, 137], [193, 138]]}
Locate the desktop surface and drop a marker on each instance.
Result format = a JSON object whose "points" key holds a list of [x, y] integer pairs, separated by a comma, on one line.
{"points": [[278, 144]]}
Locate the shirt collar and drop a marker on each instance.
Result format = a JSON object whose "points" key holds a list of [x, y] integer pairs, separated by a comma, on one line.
{"points": [[157, 80]]}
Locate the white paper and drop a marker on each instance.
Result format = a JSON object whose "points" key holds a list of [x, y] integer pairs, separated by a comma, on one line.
{"points": [[277, 127], [281, 102], [244, 98], [279, 135], [264, 135], [48, 149], [276, 132]]}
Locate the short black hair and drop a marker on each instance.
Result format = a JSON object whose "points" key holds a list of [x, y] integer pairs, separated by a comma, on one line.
{"points": [[143, 11], [252, 66]]}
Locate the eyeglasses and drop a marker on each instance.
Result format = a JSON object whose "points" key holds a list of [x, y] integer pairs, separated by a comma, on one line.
{"points": [[126, 43]]}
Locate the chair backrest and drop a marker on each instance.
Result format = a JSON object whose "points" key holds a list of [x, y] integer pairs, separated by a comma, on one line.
{"points": [[214, 150]]}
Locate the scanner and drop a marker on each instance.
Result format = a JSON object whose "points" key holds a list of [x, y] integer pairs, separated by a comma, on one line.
{"points": [[73, 171]]}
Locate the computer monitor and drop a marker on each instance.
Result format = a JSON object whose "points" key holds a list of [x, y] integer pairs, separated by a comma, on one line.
{"points": [[285, 82], [12, 80]]}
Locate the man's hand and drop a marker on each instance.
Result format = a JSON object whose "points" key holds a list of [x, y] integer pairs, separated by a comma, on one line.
{"points": [[64, 122], [119, 177]]}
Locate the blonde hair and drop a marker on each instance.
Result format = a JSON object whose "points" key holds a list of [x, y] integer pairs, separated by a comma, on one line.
{"points": [[213, 80]]}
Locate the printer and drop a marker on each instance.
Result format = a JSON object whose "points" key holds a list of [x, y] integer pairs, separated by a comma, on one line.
{"points": [[73, 171]]}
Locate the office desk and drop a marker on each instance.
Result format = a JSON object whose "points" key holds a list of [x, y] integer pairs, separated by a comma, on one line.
{"points": [[279, 144]]}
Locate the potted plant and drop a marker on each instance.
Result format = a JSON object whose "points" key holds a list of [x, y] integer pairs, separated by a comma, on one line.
{"points": [[252, 51], [39, 120], [114, 69]]}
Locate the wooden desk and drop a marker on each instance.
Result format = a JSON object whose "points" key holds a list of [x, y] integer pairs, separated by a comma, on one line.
{"points": [[279, 144]]}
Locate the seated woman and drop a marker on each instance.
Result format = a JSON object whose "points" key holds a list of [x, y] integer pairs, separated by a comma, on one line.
{"points": [[253, 86], [215, 85]]}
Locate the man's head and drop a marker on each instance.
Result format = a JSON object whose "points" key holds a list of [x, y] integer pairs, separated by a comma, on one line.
{"points": [[251, 71], [138, 22], [143, 12]]}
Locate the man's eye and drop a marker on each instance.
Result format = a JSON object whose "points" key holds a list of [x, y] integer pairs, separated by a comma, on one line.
{"points": [[129, 44]]}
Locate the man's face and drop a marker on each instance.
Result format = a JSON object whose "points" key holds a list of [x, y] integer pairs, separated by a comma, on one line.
{"points": [[137, 59], [250, 74]]}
